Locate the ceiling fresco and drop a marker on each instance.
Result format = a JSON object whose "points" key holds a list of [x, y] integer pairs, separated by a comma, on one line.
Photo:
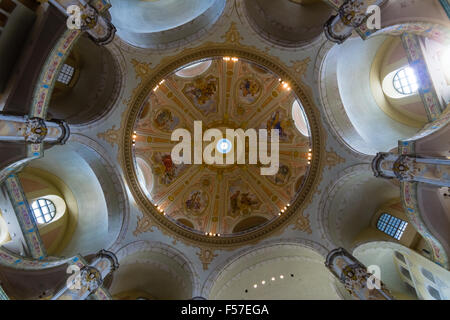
{"points": [[217, 199]]}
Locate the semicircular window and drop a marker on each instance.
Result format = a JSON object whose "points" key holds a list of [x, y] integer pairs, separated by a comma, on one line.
{"points": [[392, 226], [299, 118], [44, 210], [405, 81]]}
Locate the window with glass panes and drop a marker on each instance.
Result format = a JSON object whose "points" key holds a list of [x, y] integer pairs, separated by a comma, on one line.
{"points": [[405, 81], [44, 210], [391, 225], [66, 74]]}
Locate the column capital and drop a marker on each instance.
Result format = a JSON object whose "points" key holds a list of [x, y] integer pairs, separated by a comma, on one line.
{"points": [[99, 28]]}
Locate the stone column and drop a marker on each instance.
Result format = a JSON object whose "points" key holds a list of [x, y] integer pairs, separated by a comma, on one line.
{"points": [[25, 218], [32, 130], [353, 274], [435, 171], [351, 15], [88, 279]]}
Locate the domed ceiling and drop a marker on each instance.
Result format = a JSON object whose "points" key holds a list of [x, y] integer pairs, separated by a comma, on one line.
{"points": [[288, 22], [228, 199]]}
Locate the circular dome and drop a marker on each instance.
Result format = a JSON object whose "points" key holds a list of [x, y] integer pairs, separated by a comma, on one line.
{"points": [[185, 120]]}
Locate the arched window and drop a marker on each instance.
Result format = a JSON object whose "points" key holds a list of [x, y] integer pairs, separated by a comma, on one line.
{"points": [[299, 118], [392, 226], [66, 74], [44, 210], [405, 81], [194, 69]]}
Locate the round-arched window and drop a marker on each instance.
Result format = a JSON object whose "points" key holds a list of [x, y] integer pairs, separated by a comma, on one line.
{"points": [[405, 81], [44, 210], [300, 119]]}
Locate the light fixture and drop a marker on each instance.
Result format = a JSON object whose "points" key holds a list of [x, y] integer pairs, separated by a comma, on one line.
{"points": [[281, 277], [255, 286], [155, 88], [162, 81], [234, 59], [273, 278], [226, 58], [263, 282]]}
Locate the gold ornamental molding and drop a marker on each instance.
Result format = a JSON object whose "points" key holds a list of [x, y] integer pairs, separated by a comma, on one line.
{"points": [[233, 48]]}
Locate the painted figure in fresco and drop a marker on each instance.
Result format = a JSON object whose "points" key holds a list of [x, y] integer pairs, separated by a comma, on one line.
{"points": [[165, 120], [203, 90], [249, 87], [242, 202], [193, 203], [282, 175], [275, 123]]}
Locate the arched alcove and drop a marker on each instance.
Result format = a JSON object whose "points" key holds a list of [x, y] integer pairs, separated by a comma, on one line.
{"points": [[348, 209], [152, 271], [41, 184], [156, 24], [290, 23], [285, 271], [97, 198], [87, 86], [354, 103]]}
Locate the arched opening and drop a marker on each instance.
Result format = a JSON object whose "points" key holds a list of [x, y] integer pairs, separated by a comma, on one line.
{"points": [[278, 272], [249, 223], [53, 205], [286, 22], [84, 181], [145, 176], [151, 24], [298, 114], [358, 109], [152, 271], [87, 85], [194, 70]]}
